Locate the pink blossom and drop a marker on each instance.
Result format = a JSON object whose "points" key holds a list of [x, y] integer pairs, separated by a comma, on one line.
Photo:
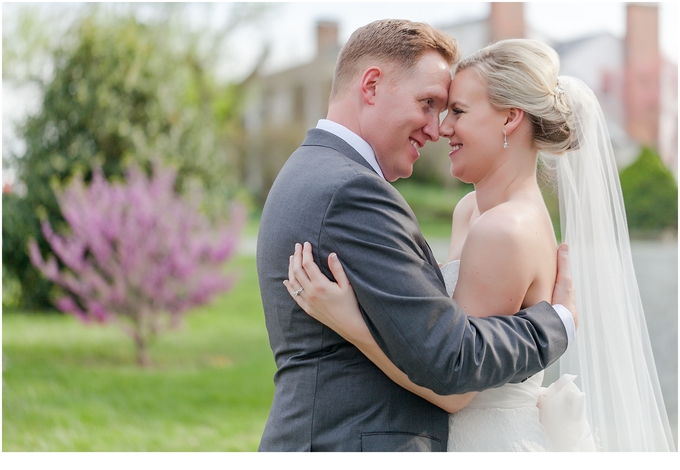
{"points": [[136, 251], [98, 311], [68, 305]]}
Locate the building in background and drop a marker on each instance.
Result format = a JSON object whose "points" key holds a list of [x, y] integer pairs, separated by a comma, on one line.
{"points": [[637, 88], [283, 105]]}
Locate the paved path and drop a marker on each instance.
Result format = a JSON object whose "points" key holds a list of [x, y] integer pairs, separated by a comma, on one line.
{"points": [[656, 269]]}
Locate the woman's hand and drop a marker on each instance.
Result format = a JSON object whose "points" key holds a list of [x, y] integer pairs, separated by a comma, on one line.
{"points": [[336, 306], [564, 289], [332, 303]]}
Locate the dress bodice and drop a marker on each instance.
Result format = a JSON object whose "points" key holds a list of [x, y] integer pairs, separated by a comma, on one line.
{"points": [[450, 272], [520, 416], [509, 395]]}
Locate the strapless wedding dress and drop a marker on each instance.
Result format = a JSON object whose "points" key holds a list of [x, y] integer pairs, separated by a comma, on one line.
{"points": [[523, 417]]}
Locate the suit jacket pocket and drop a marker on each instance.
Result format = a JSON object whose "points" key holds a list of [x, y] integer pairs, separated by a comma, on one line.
{"points": [[399, 442]]}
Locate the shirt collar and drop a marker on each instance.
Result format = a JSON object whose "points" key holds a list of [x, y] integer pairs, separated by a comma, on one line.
{"points": [[357, 143]]}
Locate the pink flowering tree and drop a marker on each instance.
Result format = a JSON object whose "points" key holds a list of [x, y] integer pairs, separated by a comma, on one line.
{"points": [[136, 253]]}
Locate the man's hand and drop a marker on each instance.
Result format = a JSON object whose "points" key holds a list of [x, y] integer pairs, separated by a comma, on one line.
{"points": [[564, 290]]}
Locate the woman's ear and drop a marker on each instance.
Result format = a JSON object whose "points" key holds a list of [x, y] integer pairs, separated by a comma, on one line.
{"points": [[369, 84], [513, 119]]}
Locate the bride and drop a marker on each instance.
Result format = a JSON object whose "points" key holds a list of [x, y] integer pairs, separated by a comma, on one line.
{"points": [[507, 110]]}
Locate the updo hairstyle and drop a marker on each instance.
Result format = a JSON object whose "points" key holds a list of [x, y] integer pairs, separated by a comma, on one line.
{"points": [[522, 73]]}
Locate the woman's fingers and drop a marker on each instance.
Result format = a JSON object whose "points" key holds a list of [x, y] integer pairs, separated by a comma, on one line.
{"points": [[305, 276], [299, 273], [563, 292], [297, 298], [311, 269], [292, 279], [293, 284], [291, 274], [337, 270]]}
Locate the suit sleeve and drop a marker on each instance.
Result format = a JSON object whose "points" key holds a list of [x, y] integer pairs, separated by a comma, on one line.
{"points": [[405, 305]]}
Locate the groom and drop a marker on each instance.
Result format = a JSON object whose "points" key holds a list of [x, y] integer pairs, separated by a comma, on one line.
{"points": [[390, 85]]}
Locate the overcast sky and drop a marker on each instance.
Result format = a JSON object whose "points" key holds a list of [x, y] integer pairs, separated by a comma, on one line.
{"points": [[292, 29], [290, 26]]}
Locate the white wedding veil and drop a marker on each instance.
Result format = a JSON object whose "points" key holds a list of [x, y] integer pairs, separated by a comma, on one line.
{"points": [[611, 356]]}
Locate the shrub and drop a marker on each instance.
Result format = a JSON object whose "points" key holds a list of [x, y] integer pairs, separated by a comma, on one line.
{"points": [[121, 90], [650, 193], [17, 270], [136, 253]]}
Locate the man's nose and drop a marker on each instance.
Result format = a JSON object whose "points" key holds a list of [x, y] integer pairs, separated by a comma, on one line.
{"points": [[431, 129]]}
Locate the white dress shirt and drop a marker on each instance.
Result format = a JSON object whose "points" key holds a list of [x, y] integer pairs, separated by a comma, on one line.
{"points": [[365, 150], [357, 143]]}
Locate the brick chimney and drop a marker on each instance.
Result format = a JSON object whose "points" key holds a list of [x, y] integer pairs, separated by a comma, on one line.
{"points": [[642, 76], [326, 37], [506, 20]]}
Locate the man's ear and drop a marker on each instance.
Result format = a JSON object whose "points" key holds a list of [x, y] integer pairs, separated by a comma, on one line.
{"points": [[513, 119], [369, 84]]}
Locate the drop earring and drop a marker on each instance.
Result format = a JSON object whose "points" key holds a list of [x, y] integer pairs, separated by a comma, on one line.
{"points": [[505, 139]]}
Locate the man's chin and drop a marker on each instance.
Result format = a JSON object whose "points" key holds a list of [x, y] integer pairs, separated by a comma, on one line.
{"points": [[401, 175]]}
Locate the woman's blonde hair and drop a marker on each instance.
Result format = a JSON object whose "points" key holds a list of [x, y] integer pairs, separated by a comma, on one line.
{"points": [[522, 73]]}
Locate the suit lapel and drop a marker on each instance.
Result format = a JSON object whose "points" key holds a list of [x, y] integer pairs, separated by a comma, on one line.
{"points": [[320, 138]]}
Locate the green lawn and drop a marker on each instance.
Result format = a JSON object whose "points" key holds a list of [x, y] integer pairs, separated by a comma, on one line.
{"points": [[70, 387], [73, 387], [433, 205]]}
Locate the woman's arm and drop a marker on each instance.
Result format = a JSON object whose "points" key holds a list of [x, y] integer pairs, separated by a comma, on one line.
{"points": [[336, 306], [465, 211]]}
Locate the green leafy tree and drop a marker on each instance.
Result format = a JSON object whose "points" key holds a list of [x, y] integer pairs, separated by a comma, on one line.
{"points": [[650, 193], [120, 91]]}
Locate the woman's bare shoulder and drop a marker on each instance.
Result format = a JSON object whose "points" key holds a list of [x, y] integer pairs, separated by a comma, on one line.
{"points": [[460, 224], [507, 218], [466, 205], [513, 225], [499, 262]]}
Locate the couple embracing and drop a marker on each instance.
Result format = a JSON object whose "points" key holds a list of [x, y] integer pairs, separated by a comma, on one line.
{"points": [[398, 351]]}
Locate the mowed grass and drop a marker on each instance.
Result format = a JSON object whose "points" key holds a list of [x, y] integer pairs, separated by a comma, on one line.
{"points": [[71, 387], [433, 205]]}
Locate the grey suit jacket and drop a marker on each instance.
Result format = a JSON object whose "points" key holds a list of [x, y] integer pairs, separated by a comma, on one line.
{"points": [[328, 396]]}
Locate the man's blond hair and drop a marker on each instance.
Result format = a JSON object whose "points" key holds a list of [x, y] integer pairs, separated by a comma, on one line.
{"points": [[394, 42]]}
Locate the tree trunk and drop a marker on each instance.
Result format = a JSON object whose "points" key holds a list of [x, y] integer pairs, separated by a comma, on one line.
{"points": [[143, 358]]}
